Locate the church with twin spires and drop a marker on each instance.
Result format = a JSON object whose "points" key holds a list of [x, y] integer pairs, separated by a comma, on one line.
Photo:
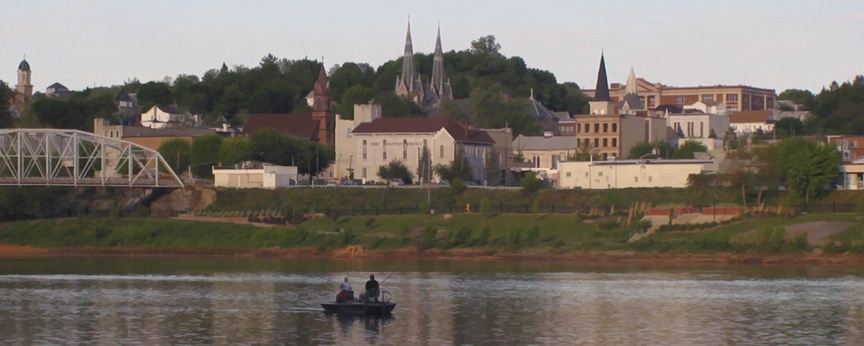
{"points": [[410, 84]]}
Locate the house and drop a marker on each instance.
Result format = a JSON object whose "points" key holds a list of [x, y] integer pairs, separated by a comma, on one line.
{"points": [[707, 129], [544, 153], [250, 175], [56, 90], [752, 121], [158, 117], [370, 141], [630, 173]]}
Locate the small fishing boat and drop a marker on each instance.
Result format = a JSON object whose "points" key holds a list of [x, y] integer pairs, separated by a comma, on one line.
{"points": [[346, 304]]}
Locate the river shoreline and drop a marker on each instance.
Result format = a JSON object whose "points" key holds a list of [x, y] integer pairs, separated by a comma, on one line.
{"points": [[356, 252]]}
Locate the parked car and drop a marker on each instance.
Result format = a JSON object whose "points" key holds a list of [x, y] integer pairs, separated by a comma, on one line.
{"points": [[395, 182], [471, 184]]}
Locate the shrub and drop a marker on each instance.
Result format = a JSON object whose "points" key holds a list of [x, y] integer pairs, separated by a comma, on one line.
{"points": [[607, 225]]}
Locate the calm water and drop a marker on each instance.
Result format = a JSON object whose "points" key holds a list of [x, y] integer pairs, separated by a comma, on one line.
{"points": [[167, 301]]}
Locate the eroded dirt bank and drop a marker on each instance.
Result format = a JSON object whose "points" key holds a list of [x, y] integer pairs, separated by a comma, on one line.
{"points": [[357, 252]]}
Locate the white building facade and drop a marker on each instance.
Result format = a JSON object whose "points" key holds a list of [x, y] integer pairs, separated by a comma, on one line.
{"points": [[624, 174], [707, 129], [250, 177]]}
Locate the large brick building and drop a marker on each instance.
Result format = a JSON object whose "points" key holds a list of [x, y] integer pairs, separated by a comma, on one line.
{"points": [[735, 97]]}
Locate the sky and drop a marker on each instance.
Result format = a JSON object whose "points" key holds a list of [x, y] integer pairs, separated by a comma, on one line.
{"points": [[779, 45]]}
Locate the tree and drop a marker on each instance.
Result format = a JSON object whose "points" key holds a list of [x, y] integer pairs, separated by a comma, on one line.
{"points": [[493, 168], [154, 94], [530, 184], [789, 127], [176, 152], [688, 150], [204, 154], [424, 166], [584, 152], [458, 168], [6, 95], [485, 45], [395, 170], [234, 150], [798, 96], [809, 168]]}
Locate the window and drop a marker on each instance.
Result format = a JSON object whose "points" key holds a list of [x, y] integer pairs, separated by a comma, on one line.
{"points": [[586, 174], [568, 174], [349, 132], [605, 142], [614, 128], [614, 142], [424, 143], [596, 142], [364, 153], [681, 100], [384, 149], [404, 149], [650, 179], [596, 127], [441, 151], [605, 128], [599, 174], [587, 128], [708, 98], [635, 179], [702, 129], [731, 97]]}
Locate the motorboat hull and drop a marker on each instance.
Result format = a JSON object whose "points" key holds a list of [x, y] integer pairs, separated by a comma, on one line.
{"points": [[359, 308]]}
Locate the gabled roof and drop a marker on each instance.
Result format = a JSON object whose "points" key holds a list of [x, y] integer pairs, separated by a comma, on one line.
{"points": [[299, 125], [538, 111], [170, 109], [58, 87], [763, 116], [423, 125]]}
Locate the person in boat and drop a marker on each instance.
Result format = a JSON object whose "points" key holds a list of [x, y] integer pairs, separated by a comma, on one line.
{"points": [[371, 289], [345, 292]]}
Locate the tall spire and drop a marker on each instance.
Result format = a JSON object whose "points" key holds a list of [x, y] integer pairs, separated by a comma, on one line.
{"points": [[630, 88], [601, 92], [408, 70], [438, 64]]}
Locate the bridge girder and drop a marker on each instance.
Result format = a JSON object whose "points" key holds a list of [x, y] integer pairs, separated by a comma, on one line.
{"points": [[60, 157]]}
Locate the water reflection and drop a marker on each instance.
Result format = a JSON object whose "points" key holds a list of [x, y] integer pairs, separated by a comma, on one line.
{"points": [[189, 304]]}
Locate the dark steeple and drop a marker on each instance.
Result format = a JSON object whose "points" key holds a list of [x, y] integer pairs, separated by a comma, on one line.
{"points": [[438, 65], [408, 70], [322, 91], [321, 111], [601, 92]]}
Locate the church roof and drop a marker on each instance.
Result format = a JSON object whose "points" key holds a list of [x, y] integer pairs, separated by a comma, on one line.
{"points": [[24, 65], [299, 125], [424, 125], [58, 87]]}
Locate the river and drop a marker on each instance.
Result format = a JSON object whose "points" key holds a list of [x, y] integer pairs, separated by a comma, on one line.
{"points": [[171, 301]]}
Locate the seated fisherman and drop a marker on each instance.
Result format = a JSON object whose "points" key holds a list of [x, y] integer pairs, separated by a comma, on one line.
{"points": [[371, 289], [345, 291]]}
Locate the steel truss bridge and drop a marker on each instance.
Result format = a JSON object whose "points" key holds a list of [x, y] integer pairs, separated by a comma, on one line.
{"points": [[58, 157]]}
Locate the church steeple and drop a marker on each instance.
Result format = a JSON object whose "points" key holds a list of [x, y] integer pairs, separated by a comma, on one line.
{"points": [[321, 111], [630, 88], [408, 71], [438, 64], [24, 89], [601, 92]]}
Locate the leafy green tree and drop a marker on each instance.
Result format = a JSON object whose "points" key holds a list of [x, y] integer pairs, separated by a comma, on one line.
{"points": [[688, 150], [458, 168], [176, 152], [205, 154], [234, 150], [485, 45], [154, 94], [798, 96], [6, 95], [395, 170], [530, 183], [808, 167], [788, 127], [356, 94]]}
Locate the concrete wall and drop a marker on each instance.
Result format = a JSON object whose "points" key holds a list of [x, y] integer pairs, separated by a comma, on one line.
{"points": [[628, 173]]}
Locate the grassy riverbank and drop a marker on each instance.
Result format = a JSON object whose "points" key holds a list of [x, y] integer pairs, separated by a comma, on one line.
{"points": [[808, 238]]}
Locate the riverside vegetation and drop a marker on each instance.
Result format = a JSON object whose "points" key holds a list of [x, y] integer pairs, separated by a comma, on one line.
{"points": [[583, 221]]}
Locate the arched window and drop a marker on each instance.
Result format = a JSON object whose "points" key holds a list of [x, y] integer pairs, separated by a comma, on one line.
{"points": [[364, 149], [404, 149], [384, 151], [441, 151]]}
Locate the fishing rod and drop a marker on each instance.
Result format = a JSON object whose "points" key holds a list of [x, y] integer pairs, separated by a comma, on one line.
{"points": [[388, 276]]}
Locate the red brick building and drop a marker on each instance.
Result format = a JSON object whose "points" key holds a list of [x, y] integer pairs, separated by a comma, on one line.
{"points": [[735, 97]]}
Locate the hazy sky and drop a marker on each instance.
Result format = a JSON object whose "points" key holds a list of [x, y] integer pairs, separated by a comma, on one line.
{"points": [[769, 44]]}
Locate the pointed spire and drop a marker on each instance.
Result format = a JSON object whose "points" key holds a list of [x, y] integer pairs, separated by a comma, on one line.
{"points": [[601, 92], [408, 70], [438, 65], [630, 88], [321, 85]]}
